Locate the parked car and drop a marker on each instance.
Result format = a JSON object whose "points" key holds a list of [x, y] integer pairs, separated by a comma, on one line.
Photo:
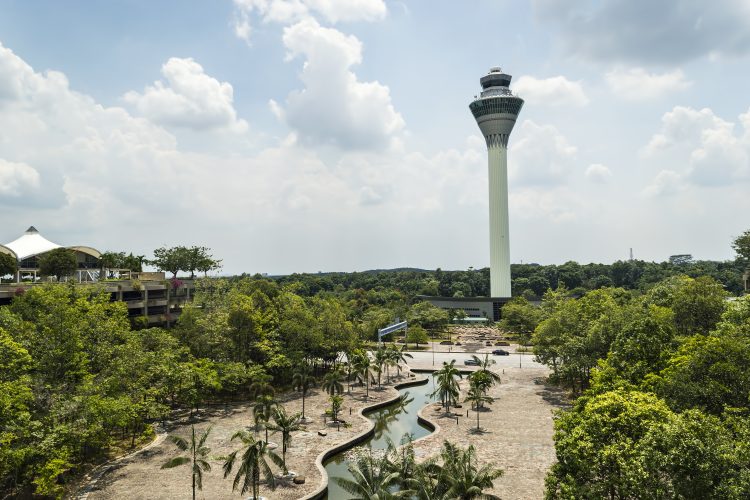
{"points": [[500, 352], [471, 362], [446, 342]]}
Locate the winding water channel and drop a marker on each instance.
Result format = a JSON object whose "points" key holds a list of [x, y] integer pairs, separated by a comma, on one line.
{"points": [[391, 423]]}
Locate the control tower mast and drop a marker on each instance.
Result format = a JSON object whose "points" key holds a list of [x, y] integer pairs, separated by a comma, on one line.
{"points": [[496, 111]]}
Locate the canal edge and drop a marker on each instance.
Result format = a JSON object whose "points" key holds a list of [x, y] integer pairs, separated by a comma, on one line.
{"points": [[325, 455]]}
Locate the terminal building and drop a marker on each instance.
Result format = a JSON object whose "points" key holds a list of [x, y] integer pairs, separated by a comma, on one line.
{"points": [[151, 299]]}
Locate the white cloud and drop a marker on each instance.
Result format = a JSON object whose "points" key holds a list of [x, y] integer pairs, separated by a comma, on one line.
{"points": [[335, 107], [540, 155], [666, 182], [648, 32], [715, 155], [554, 91], [291, 11], [636, 84], [17, 179], [598, 173], [189, 99]]}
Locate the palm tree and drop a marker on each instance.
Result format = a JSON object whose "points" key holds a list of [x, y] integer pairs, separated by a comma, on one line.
{"points": [[333, 386], [362, 367], [253, 464], [381, 359], [198, 453], [477, 398], [262, 410], [285, 424], [447, 387], [461, 477], [303, 381], [400, 356], [371, 479], [484, 367], [261, 387]]}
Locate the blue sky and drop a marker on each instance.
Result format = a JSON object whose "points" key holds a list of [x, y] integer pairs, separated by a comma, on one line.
{"points": [[306, 135]]}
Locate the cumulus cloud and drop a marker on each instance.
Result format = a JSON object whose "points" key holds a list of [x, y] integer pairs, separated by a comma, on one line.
{"points": [[717, 156], [17, 179], [554, 91], [335, 107], [646, 32], [540, 155], [636, 84], [189, 98], [291, 11], [596, 172]]}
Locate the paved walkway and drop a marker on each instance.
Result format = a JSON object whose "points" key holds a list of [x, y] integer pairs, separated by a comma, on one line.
{"points": [[517, 430]]}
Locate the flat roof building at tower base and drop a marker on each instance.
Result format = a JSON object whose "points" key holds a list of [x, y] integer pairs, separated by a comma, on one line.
{"points": [[474, 307]]}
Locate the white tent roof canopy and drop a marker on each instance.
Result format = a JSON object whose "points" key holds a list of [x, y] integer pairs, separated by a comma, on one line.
{"points": [[32, 243]]}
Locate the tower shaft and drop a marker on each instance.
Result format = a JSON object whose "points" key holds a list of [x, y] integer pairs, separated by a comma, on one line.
{"points": [[499, 228], [496, 111]]}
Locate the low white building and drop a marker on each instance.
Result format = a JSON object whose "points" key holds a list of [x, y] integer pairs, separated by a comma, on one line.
{"points": [[30, 245]]}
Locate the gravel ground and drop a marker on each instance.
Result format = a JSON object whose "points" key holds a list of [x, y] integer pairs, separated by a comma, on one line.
{"points": [[139, 476], [516, 430], [516, 436]]}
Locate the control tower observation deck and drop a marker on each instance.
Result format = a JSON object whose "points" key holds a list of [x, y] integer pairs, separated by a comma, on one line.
{"points": [[496, 111]]}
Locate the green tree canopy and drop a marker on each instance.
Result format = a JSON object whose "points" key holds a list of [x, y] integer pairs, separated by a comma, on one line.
{"points": [[60, 262], [8, 264]]}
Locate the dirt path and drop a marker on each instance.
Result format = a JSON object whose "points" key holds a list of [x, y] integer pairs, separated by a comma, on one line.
{"points": [[517, 431]]}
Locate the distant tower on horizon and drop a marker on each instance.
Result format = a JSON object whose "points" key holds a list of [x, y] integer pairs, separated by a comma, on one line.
{"points": [[496, 111]]}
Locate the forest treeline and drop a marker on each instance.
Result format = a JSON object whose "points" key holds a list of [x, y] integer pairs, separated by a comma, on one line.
{"points": [[527, 280]]}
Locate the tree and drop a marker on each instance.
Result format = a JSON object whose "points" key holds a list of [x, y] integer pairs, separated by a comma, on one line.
{"points": [[199, 259], [285, 424], [173, 260], [303, 381], [460, 475], [484, 368], [698, 305], [253, 464], [263, 410], [362, 366], [8, 264], [417, 335], [371, 479], [60, 262], [333, 386], [198, 455], [477, 397], [598, 444], [521, 318], [447, 386], [379, 362], [741, 245]]}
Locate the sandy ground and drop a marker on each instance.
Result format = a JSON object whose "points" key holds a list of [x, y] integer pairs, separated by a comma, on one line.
{"points": [[516, 430], [139, 476]]}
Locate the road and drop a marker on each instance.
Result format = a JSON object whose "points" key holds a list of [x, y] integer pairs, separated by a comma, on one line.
{"points": [[424, 359]]}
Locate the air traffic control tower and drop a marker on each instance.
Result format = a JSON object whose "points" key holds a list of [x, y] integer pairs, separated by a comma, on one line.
{"points": [[496, 111]]}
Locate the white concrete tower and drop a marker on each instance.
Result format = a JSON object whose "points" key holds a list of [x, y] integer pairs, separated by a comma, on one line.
{"points": [[496, 111]]}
